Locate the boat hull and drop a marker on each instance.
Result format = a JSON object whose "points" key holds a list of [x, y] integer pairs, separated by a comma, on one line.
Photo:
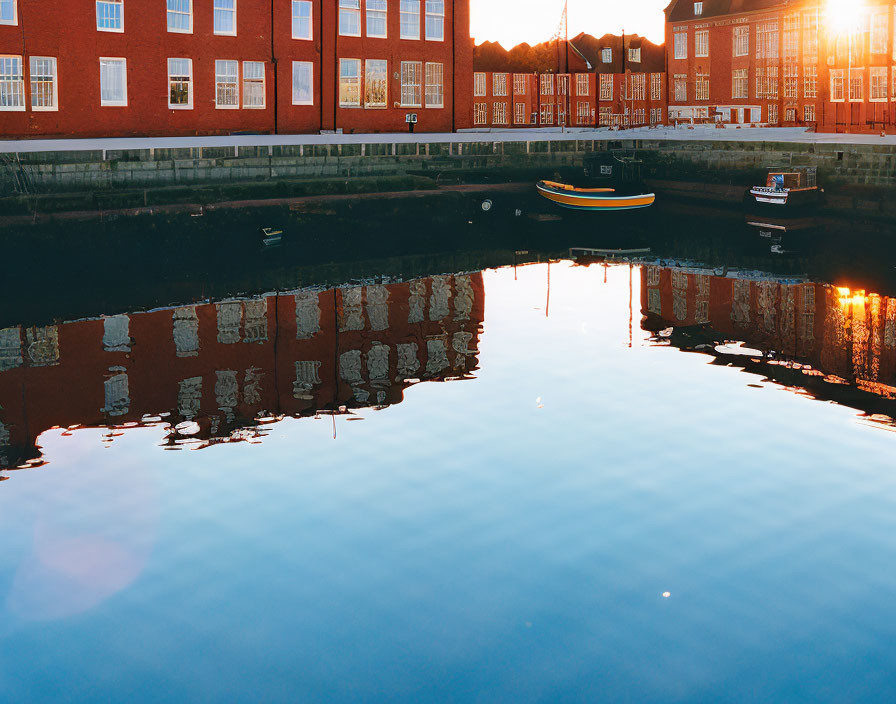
{"points": [[595, 201]]}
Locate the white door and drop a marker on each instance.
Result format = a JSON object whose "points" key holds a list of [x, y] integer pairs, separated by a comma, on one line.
{"points": [[755, 114]]}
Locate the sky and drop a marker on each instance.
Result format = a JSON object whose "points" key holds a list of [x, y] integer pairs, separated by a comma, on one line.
{"points": [[513, 21]]}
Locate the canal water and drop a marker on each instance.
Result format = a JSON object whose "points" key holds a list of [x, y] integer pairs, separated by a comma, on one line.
{"points": [[495, 463]]}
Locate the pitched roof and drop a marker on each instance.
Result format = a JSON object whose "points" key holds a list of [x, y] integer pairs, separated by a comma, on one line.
{"points": [[683, 10]]}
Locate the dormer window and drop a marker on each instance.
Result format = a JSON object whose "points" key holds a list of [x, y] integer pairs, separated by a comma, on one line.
{"points": [[634, 55], [698, 9], [606, 55]]}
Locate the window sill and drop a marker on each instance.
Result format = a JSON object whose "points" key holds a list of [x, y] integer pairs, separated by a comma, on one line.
{"points": [[254, 107], [303, 39], [45, 109], [225, 34], [179, 31], [12, 109], [303, 103], [227, 107], [110, 29], [113, 105], [180, 107]]}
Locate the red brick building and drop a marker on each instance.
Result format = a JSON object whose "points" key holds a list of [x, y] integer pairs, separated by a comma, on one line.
{"points": [[782, 62], [188, 67], [602, 85]]}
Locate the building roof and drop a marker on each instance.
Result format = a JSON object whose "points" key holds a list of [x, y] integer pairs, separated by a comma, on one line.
{"points": [[653, 58], [683, 10]]}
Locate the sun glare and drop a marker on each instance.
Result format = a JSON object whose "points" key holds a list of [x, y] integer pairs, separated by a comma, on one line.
{"points": [[844, 15]]}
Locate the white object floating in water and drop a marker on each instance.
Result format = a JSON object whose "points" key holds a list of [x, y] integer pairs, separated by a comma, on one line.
{"points": [[666, 595]]}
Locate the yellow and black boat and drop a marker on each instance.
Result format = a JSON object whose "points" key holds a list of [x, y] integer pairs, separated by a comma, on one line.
{"points": [[592, 198]]}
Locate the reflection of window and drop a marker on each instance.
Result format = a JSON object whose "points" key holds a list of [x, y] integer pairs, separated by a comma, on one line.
{"points": [[180, 16], [410, 19], [376, 18], [12, 83], [350, 18], [253, 84], [302, 83], [301, 20], [44, 89], [435, 90], [227, 90], [180, 83], [113, 82], [225, 17], [110, 15], [349, 83], [411, 84], [375, 83], [435, 20]]}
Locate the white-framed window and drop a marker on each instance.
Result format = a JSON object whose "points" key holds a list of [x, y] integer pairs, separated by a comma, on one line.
{"points": [[435, 85], [680, 87], [411, 84], [741, 40], [808, 113], [879, 32], [110, 15], [810, 34], [409, 11], [698, 9], [810, 81], [634, 55], [519, 83], [377, 18], [227, 86], [180, 16], [790, 115], [12, 84], [9, 13], [791, 37], [583, 113], [767, 40], [656, 86], [740, 84], [180, 84], [349, 83], [547, 83], [500, 114], [680, 39], [499, 84], [350, 18], [44, 83], [773, 113], [435, 20], [583, 87], [791, 80], [225, 17], [702, 86], [604, 119], [878, 84], [113, 82], [701, 43], [253, 85], [302, 83], [639, 86], [376, 83], [479, 85], [606, 86], [519, 113], [302, 19], [480, 113], [856, 85], [547, 114], [606, 55], [837, 95]]}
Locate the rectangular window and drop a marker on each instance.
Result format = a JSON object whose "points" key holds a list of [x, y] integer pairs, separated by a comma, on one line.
{"points": [[253, 84], [302, 83], [411, 84], [376, 74], [349, 83], [791, 80], [350, 18], [180, 84], [519, 84], [879, 33], [701, 43], [480, 114], [837, 85], [435, 86], [435, 20], [808, 113], [519, 113], [110, 15], [583, 87], [302, 20], [113, 82], [639, 86], [702, 86], [634, 55], [9, 12], [583, 113], [740, 84], [12, 84], [44, 86], [680, 85], [698, 9], [606, 55], [681, 45], [180, 16], [547, 84], [856, 85], [377, 14], [742, 41], [225, 17], [656, 86], [791, 36], [767, 40], [773, 113], [479, 85], [547, 114], [810, 81], [606, 86], [410, 19], [499, 84], [227, 88], [810, 34], [879, 84], [500, 114]]}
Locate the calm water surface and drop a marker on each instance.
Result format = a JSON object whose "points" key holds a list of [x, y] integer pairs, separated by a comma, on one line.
{"points": [[320, 527]]}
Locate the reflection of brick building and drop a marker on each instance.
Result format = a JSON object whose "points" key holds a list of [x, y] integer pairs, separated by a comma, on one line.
{"points": [[222, 365], [845, 334]]}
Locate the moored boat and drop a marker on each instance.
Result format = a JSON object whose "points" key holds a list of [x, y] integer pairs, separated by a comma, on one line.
{"points": [[788, 190], [594, 199]]}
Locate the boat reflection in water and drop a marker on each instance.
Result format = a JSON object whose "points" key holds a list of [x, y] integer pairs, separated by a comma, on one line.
{"points": [[220, 372], [836, 343]]}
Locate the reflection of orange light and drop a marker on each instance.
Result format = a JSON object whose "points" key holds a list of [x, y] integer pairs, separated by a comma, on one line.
{"points": [[843, 16]]}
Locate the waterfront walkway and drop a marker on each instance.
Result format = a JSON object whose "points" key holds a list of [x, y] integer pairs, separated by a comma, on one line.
{"points": [[746, 134]]}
